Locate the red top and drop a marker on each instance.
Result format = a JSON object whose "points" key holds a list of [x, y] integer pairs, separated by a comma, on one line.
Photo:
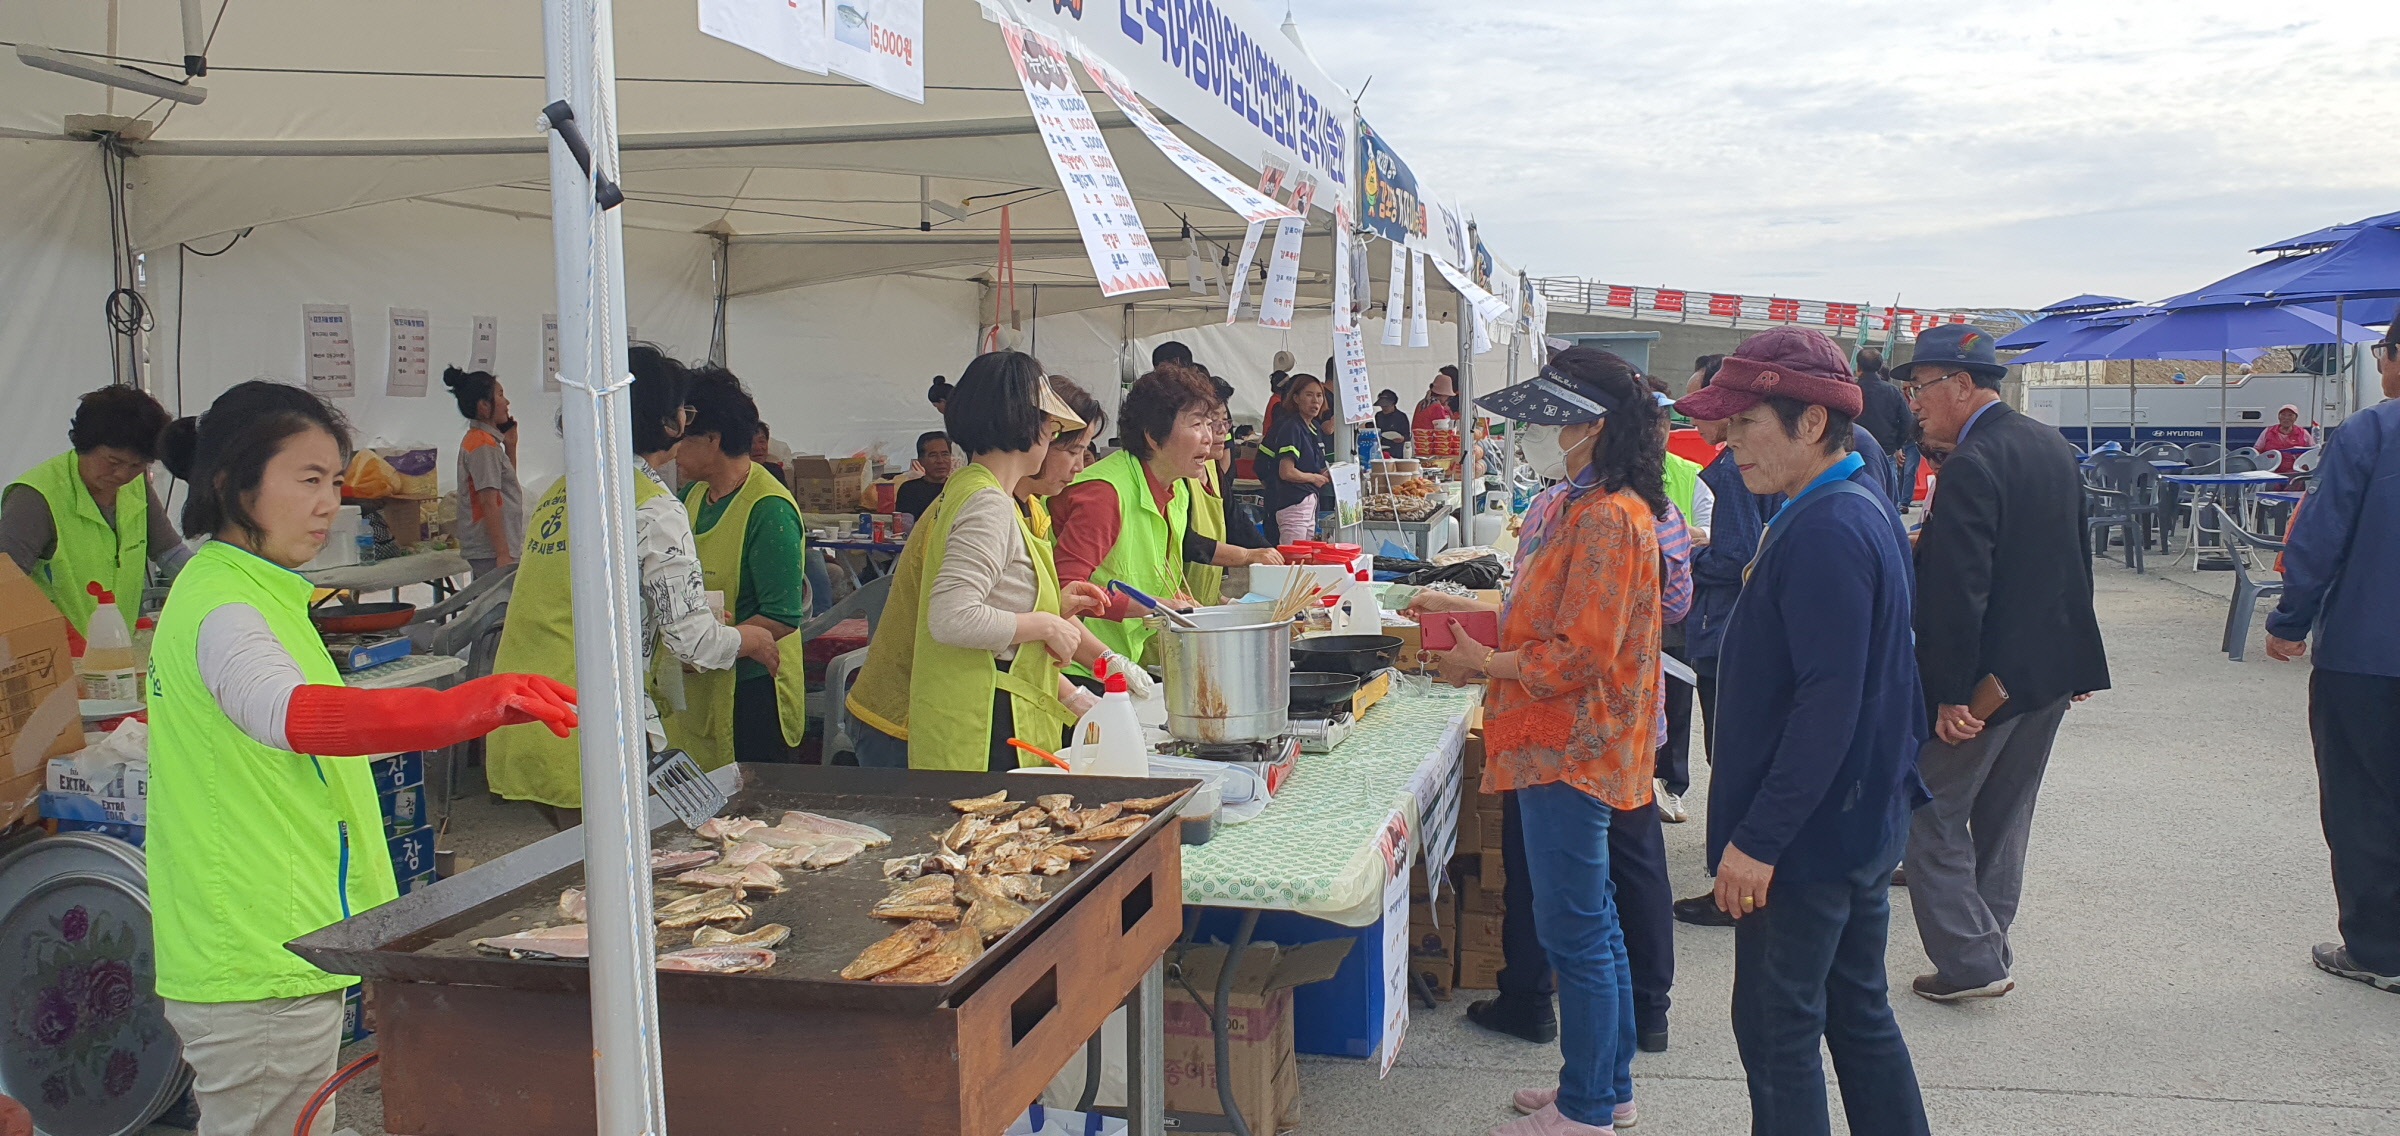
{"points": [[1690, 446], [1085, 521]]}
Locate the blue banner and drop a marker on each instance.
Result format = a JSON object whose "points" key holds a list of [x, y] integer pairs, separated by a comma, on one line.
{"points": [[1388, 191]]}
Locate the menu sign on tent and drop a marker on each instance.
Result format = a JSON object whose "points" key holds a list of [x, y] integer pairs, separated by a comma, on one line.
{"points": [[1113, 237], [411, 353], [1252, 205], [332, 362], [880, 43], [790, 32]]}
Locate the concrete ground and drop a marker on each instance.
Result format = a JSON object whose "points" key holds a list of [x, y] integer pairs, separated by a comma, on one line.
{"points": [[2176, 882]]}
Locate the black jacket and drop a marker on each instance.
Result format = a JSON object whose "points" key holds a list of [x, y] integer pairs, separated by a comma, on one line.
{"points": [[2004, 585], [1886, 414]]}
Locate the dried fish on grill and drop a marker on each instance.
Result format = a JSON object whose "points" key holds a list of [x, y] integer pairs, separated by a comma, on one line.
{"points": [[728, 829], [1051, 802], [832, 853], [665, 863], [718, 960], [796, 820], [1031, 818], [695, 902], [785, 838], [990, 913], [1053, 861], [762, 878], [716, 905], [770, 936], [1117, 829], [993, 803], [1148, 804], [572, 904], [747, 852], [714, 876], [949, 956], [965, 833], [572, 941], [932, 898], [908, 867], [1022, 888], [894, 950]]}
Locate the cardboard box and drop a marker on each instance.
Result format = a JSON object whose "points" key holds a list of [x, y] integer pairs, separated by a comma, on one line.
{"points": [[1428, 941], [1493, 826], [39, 719], [1479, 970], [1479, 931], [827, 485], [1477, 901], [1492, 874], [1435, 974], [1261, 1064], [1470, 828]]}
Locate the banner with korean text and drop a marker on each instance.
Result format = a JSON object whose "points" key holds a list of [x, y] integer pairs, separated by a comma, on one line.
{"points": [[1122, 259]]}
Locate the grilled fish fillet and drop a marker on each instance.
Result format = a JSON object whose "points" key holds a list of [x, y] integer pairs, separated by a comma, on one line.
{"points": [[1052, 801], [798, 821], [569, 942], [722, 913], [979, 804], [893, 951], [942, 963], [1149, 805], [727, 829], [710, 898], [669, 863], [718, 960], [1117, 829], [831, 853], [572, 905], [770, 936]]}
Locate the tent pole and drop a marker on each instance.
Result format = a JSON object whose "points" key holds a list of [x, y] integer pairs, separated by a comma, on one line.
{"points": [[1469, 485], [723, 266], [589, 248], [2224, 371]]}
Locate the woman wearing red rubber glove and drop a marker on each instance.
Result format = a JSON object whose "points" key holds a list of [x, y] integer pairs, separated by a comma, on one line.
{"points": [[264, 824]]}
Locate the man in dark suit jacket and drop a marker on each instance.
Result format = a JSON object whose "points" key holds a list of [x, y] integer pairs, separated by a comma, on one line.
{"points": [[2004, 589]]}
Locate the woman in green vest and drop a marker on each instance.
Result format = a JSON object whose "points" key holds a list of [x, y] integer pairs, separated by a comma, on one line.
{"points": [[748, 532], [528, 763], [89, 515], [1130, 515], [264, 823]]}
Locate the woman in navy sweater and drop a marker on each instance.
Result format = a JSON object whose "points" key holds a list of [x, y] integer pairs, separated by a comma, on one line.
{"points": [[1818, 725]]}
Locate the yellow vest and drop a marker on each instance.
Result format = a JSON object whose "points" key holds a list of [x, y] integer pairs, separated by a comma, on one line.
{"points": [[1208, 519], [950, 688], [89, 550], [528, 762], [704, 727], [1149, 551], [249, 846]]}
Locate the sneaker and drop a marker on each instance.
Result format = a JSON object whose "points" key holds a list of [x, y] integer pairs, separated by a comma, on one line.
{"points": [[1530, 1101], [1701, 911], [1651, 1040], [1900, 876], [1670, 806], [1624, 1116], [1534, 1020], [2334, 958], [1547, 1122], [1935, 988]]}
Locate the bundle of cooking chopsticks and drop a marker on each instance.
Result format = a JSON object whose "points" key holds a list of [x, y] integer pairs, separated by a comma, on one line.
{"points": [[1299, 591]]}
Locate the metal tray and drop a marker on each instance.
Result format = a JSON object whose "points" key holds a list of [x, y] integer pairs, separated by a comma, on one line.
{"points": [[425, 936]]}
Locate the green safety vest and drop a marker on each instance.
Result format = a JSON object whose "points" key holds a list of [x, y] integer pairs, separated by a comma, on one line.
{"points": [[1683, 481], [704, 727], [1208, 519], [527, 762], [249, 847], [950, 688], [1149, 551], [89, 548]]}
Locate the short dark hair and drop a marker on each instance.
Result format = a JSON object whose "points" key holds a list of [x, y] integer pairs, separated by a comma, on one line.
{"points": [[176, 444], [242, 431], [124, 417], [1630, 454], [658, 391], [1170, 352], [1390, 396], [1870, 361], [997, 406], [1837, 424], [1707, 366], [468, 387], [1079, 400], [721, 407], [1224, 390], [1151, 406], [931, 436], [1450, 370], [1299, 386]]}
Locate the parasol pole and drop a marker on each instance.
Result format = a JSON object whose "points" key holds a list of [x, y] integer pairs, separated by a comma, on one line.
{"points": [[2088, 408], [587, 238], [2224, 373]]}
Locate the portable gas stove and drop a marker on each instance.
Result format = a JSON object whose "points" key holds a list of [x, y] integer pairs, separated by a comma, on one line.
{"points": [[1321, 734], [1271, 760]]}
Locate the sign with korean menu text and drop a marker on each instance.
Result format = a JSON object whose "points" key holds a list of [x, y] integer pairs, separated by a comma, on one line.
{"points": [[1250, 204], [1122, 259], [878, 42], [332, 360]]}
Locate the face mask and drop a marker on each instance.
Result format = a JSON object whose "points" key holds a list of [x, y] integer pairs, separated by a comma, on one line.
{"points": [[1543, 453]]}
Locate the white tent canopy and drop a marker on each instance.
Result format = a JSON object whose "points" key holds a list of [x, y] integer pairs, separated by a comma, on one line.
{"points": [[386, 157]]}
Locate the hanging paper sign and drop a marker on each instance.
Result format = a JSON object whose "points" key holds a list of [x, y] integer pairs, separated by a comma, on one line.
{"points": [[1251, 204], [550, 352], [410, 354], [1343, 317], [1417, 336], [1388, 202], [1113, 237], [880, 43], [1395, 303], [1238, 292], [1350, 370], [1272, 174], [1483, 337], [1487, 306], [790, 32], [1304, 195], [1283, 275], [1346, 489], [1448, 240], [332, 364], [486, 352]]}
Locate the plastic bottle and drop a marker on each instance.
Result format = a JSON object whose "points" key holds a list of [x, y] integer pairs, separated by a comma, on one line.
{"points": [[108, 670], [1108, 738], [1366, 611]]}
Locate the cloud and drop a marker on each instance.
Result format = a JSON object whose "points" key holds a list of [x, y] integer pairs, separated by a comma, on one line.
{"points": [[1956, 155]]}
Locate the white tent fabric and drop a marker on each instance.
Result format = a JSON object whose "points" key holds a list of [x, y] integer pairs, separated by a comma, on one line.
{"points": [[386, 157]]}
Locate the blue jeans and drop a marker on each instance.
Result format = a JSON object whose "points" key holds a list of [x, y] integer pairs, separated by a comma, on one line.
{"points": [[1575, 913], [1810, 965], [878, 750]]}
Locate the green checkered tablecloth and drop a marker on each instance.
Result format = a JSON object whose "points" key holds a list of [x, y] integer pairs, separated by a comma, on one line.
{"points": [[1314, 849]]}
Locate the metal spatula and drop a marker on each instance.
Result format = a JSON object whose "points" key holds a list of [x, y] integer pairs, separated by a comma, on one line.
{"points": [[678, 781]]}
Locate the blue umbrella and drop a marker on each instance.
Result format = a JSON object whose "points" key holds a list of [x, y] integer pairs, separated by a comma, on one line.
{"points": [[2331, 234], [2192, 333], [2365, 264], [2058, 319], [2087, 302], [2071, 333]]}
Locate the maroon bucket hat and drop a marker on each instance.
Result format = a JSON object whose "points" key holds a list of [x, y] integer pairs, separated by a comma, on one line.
{"points": [[1792, 362]]}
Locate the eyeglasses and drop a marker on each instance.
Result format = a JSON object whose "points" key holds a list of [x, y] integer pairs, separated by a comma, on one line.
{"points": [[1912, 390], [2386, 350]]}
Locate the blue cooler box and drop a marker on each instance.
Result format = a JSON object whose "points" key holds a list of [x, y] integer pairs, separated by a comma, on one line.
{"points": [[1341, 1016]]}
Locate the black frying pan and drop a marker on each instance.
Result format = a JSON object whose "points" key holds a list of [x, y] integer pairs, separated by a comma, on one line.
{"points": [[1359, 655], [1315, 692]]}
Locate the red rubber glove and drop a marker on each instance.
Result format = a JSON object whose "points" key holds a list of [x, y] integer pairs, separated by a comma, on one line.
{"points": [[342, 721]]}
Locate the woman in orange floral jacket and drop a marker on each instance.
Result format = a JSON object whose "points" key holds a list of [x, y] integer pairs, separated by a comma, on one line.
{"points": [[1570, 715]]}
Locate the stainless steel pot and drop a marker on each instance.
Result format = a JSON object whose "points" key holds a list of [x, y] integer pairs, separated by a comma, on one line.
{"points": [[1229, 679]]}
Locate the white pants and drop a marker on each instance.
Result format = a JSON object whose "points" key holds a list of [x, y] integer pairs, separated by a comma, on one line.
{"points": [[1297, 521], [254, 1064]]}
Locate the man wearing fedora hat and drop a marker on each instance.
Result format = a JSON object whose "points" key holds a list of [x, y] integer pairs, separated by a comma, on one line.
{"points": [[2006, 637]]}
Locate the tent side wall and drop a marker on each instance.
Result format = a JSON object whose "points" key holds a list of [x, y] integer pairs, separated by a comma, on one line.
{"points": [[838, 368], [53, 337]]}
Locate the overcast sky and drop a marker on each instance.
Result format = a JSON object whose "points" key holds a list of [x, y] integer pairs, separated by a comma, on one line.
{"points": [[2001, 155]]}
